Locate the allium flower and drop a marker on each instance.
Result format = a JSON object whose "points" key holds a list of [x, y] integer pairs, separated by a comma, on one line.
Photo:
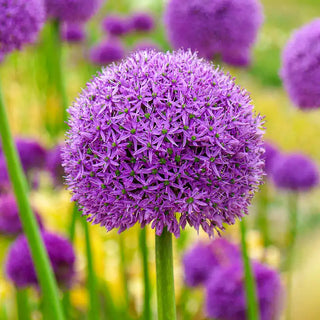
{"points": [[107, 52], [19, 265], [270, 156], [225, 294], [166, 139], [116, 25], [73, 32], [54, 165], [72, 10], [142, 21], [10, 223], [20, 22], [204, 259], [4, 178], [146, 45], [301, 68], [215, 27], [295, 172]]}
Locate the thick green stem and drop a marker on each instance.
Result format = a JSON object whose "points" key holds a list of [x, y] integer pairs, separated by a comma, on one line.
{"points": [[293, 227], [91, 279], [146, 278], [262, 217], [22, 304], [123, 268], [30, 227], [165, 280], [250, 286]]}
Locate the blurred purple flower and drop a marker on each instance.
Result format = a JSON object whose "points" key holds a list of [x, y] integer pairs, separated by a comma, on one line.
{"points": [[54, 165], [19, 265], [270, 156], [225, 294], [20, 23], [142, 21], [164, 139], [107, 52], [295, 172], [216, 27], [203, 259], [73, 32], [300, 70], [116, 25], [10, 223]]}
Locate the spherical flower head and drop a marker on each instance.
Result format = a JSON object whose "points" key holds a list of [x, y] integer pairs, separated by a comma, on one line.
{"points": [[72, 10], [54, 165], [142, 21], [165, 139], [215, 27], [225, 293], [270, 156], [19, 265], [295, 172], [146, 45], [203, 259], [20, 23], [10, 223], [73, 32], [116, 25], [107, 52], [300, 70]]}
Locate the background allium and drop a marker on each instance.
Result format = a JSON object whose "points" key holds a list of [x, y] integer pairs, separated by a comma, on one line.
{"points": [[203, 259], [226, 27], [295, 172], [301, 68], [73, 32], [54, 165], [166, 139], [20, 269], [20, 22], [142, 21], [225, 294], [10, 223], [270, 157], [72, 10], [116, 25], [107, 52]]}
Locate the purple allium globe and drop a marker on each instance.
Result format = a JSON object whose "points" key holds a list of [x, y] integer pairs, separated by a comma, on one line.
{"points": [[203, 259], [20, 23], [54, 165], [10, 223], [142, 21], [225, 293], [146, 45], [270, 156], [295, 172], [73, 32], [215, 27], [300, 70], [107, 52], [19, 265], [164, 139], [72, 10], [116, 25]]}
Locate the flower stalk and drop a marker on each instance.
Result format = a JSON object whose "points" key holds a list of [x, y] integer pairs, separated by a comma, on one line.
{"points": [[22, 304]]}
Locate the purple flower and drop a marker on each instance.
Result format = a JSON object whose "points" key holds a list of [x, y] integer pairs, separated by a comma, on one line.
{"points": [[19, 265], [270, 156], [142, 21], [146, 45], [295, 172], [54, 165], [72, 10], [204, 259], [216, 27], [4, 178], [164, 139], [116, 25], [73, 32], [107, 52], [225, 294], [300, 70], [20, 23], [10, 223]]}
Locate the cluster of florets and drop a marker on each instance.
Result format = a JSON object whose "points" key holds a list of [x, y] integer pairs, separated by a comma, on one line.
{"points": [[165, 139], [218, 27], [20, 22], [73, 32], [301, 68], [146, 45], [20, 268]]}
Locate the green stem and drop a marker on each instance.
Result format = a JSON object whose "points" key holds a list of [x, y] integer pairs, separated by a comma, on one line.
{"points": [[293, 227], [250, 286], [165, 280], [91, 279], [123, 267], [23, 304], [30, 227], [262, 218], [146, 278]]}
